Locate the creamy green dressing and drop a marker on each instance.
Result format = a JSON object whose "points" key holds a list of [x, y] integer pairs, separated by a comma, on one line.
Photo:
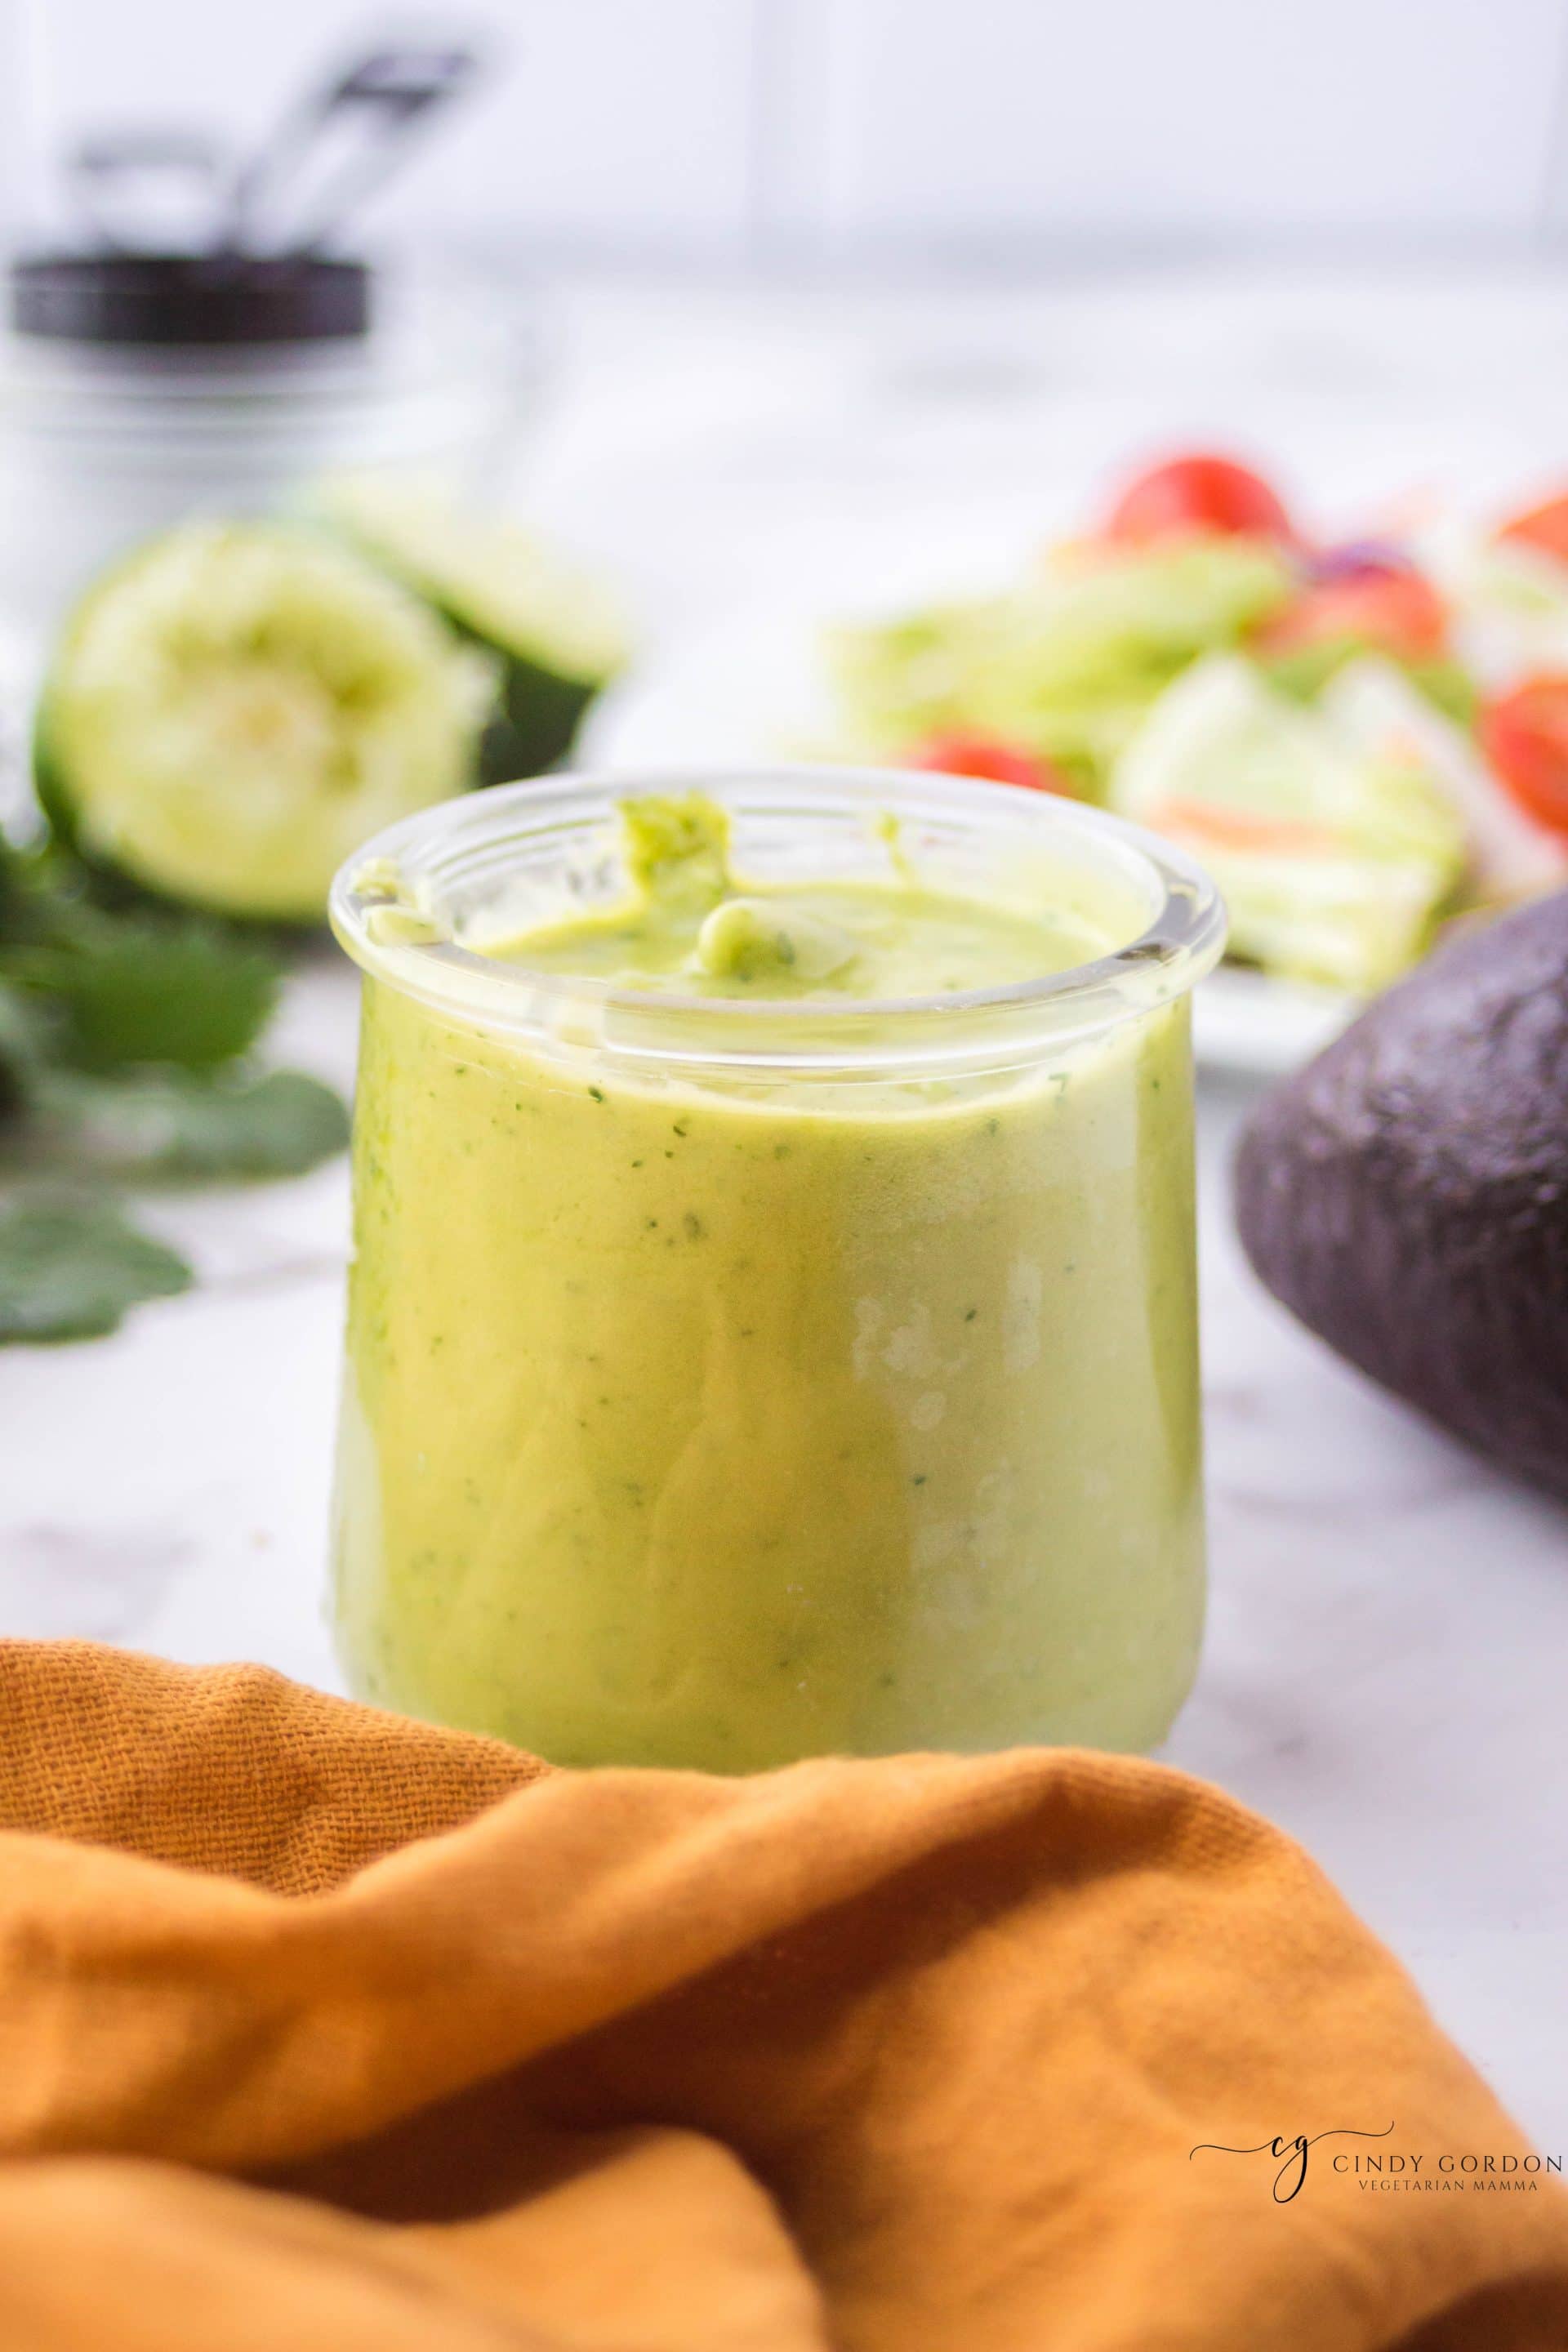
{"points": [[685, 927], [718, 1422]]}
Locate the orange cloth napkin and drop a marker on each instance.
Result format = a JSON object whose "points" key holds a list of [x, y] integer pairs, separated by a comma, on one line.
{"points": [[329, 2032]]}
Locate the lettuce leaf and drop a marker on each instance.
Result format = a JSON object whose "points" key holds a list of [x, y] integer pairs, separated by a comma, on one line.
{"points": [[1334, 868], [1066, 665]]}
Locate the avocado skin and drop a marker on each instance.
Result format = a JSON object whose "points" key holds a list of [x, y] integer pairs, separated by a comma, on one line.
{"points": [[1406, 1194]]}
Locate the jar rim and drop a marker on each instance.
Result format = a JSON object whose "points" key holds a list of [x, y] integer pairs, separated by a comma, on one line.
{"points": [[1181, 941]]}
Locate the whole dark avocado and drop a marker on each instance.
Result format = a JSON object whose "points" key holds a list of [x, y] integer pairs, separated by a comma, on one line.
{"points": [[1406, 1194]]}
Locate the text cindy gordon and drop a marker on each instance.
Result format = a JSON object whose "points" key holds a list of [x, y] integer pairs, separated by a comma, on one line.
{"points": [[1393, 2169]]}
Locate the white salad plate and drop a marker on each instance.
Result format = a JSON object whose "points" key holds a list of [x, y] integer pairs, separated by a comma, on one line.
{"points": [[752, 687]]}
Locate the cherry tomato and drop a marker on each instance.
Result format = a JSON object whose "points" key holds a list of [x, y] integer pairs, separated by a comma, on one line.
{"points": [[1524, 734], [1544, 526], [961, 754], [1394, 609], [1200, 492]]}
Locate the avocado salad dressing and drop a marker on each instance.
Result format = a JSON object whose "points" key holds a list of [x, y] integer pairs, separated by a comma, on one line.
{"points": [[717, 1420]]}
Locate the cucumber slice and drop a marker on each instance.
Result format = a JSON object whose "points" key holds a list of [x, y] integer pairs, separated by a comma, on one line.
{"points": [[237, 707], [559, 638]]}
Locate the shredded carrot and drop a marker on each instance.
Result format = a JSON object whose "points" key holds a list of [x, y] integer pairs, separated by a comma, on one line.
{"points": [[1232, 828]]}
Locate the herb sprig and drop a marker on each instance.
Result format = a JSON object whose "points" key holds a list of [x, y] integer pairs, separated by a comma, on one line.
{"points": [[128, 1040]]}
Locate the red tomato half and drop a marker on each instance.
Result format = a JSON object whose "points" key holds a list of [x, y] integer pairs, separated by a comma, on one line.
{"points": [[960, 754], [1202, 492], [1398, 612], [1544, 526], [1524, 734]]}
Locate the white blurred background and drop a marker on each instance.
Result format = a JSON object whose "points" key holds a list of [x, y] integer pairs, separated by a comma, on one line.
{"points": [[907, 133]]}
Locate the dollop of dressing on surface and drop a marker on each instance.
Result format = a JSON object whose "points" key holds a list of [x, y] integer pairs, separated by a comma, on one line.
{"points": [[688, 927]]}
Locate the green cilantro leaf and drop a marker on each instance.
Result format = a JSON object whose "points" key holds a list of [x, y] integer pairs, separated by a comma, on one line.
{"points": [[70, 1267], [134, 989], [122, 1038], [175, 1123], [20, 1045]]}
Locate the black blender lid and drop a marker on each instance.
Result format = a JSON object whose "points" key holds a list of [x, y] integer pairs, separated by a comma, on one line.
{"points": [[189, 298]]}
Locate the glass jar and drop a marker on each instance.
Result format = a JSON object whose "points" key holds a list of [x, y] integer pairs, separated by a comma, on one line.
{"points": [[105, 441], [730, 1382]]}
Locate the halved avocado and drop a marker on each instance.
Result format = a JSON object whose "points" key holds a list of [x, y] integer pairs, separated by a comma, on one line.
{"points": [[237, 706], [1406, 1194], [560, 640]]}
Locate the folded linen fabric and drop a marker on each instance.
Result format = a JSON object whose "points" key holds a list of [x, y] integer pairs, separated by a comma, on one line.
{"points": [[321, 2029]]}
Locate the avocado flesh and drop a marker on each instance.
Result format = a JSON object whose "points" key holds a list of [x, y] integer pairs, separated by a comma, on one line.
{"points": [[1406, 1194]]}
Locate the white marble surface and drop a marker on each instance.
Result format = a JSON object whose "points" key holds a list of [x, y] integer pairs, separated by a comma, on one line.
{"points": [[1385, 1672]]}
